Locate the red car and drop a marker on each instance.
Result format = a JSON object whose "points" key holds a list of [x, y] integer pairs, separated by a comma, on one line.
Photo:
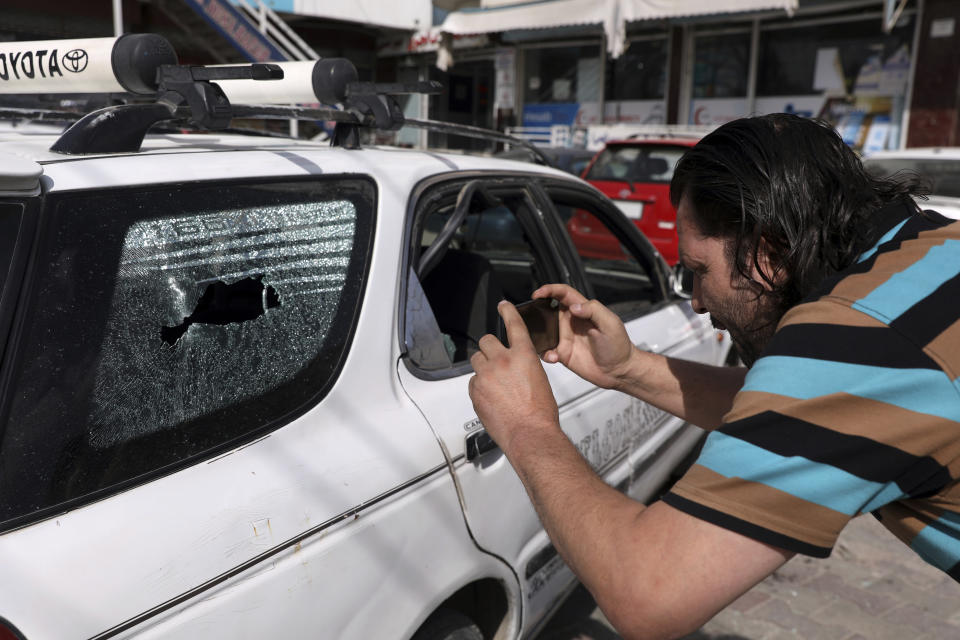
{"points": [[635, 174]]}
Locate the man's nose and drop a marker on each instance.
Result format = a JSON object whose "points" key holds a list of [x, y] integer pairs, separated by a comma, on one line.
{"points": [[696, 300]]}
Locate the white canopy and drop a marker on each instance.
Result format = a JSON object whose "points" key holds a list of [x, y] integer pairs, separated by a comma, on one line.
{"points": [[505, 15], [409, 14]]}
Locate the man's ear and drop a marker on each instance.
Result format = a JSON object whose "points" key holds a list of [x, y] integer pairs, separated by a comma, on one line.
{"points": [[766, 269]]}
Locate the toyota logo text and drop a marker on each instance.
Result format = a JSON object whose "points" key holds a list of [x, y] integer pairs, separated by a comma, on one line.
{"points": [[75, 60]]}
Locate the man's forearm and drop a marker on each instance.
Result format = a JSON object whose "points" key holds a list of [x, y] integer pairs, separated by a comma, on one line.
{"points": [[655, 572], [583, 516], [604, 538], [699, 393]]}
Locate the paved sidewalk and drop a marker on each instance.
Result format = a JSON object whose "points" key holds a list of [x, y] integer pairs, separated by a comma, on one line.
{"points": [[871, 588]]}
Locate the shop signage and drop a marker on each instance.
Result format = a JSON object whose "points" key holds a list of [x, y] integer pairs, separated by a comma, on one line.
{"points": [[942, 28], [804, 106], [547, 115], [635, 111], [877, 134], [716, 111], [428, 42]]}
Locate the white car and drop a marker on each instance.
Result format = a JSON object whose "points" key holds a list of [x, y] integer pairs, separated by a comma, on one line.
{"points": [[939, 167], [234, 387]]}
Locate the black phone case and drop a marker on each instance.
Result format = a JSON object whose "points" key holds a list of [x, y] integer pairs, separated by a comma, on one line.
{"points": [[542, 317]]}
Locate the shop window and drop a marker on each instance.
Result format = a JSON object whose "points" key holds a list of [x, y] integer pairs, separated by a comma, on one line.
{"points": [[562, 74], [850, 74], [640, 73], [720, 66], [467, 99], [833, 58]]}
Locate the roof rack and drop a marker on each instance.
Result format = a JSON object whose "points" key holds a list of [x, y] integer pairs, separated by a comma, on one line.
{"points": [[146, 65], [39, 115], [53, 116], [208, 97], [480, 133], [345, 135]]}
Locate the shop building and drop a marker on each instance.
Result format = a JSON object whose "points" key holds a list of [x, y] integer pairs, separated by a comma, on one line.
{"points": [[884, 72]]}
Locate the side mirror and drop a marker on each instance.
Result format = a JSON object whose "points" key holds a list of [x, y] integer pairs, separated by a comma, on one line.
{"points": [[682, 281]]}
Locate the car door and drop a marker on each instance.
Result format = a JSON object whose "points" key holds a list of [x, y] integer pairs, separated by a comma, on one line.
{"points": [[507, 243]]}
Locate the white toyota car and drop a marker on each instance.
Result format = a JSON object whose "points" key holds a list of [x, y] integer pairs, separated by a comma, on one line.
{"points": [[233, 391]]}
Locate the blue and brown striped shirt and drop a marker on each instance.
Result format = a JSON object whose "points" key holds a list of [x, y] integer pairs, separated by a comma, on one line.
{"points": [[853, 408]]}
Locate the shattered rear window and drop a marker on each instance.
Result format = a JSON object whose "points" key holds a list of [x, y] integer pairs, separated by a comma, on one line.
{"points": [[169, 323]]}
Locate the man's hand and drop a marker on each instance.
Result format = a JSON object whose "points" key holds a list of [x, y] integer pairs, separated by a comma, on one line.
{"points": [[509, 390], [593, 341]]}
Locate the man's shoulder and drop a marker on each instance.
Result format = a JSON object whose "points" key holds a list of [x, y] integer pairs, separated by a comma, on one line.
{"points": [[897, 261], [899, 308], [917, 264]]}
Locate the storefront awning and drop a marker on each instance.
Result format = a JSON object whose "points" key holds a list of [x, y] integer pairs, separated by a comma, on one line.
{"points": [[497, 16], [656, 9], [527, 15]]}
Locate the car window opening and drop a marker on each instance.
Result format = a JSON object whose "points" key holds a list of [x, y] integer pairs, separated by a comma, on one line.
{"points": [[486, 257], [618, 279], [223, 304]]}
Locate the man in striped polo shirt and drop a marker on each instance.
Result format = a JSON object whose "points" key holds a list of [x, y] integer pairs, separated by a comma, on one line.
{"points": [[843, 299]]}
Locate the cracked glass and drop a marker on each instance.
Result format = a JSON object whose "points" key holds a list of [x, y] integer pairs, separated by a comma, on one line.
{"points": [[249, 343], [170, 323]]}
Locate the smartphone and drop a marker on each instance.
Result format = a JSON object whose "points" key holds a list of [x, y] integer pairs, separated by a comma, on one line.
{"points": [[542, 317]]}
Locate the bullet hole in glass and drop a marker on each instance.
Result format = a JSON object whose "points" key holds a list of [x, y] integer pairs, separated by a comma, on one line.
{"points": [[223, 303]]}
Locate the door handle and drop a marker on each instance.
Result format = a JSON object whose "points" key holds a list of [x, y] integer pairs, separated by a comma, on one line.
{"points": [[478, 443]]}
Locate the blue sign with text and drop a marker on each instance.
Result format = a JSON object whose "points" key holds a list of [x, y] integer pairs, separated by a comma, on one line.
{"points": [[547, 115]]}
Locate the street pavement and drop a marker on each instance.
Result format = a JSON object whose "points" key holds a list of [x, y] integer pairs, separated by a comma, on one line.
{"points": [[872, 587]]}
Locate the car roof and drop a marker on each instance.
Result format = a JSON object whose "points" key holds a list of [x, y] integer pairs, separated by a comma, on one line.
{"points": [[655, 142], [951, 153], [27, 153], [35, 144], [519, 151]]}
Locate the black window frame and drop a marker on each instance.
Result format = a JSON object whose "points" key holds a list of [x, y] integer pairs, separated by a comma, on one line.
{"points": [[538, 223], [625, 231], [12, 286], [43, 241]]}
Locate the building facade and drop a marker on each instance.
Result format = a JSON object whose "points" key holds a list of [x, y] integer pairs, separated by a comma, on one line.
{"points": [[884, 72]]}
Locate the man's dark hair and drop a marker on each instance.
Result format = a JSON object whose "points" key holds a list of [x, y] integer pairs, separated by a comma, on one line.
{"points": [[792, 182]]}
